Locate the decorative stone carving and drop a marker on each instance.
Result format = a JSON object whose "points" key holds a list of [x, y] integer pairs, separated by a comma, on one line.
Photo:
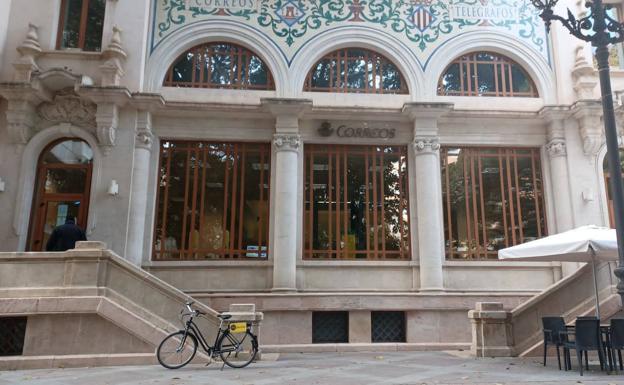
{"points": [[287, 142], [68, 107], [144, 136], [107, 118], [556, 147], [426, 145], [114, 56], [29, 50], [21, 120], [584, 75], [589, 116]]}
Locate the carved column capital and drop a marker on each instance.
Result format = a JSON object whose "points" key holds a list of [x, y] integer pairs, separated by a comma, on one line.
{"points": [[144, 136], [426, 145], [287, 142], [556, 147]]}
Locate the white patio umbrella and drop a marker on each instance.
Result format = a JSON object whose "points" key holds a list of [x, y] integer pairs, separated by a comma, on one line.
{"points": [[584, 244]]}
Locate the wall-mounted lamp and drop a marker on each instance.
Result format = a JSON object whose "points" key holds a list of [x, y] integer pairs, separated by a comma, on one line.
{"points": [[2, 185], [113, 188]]}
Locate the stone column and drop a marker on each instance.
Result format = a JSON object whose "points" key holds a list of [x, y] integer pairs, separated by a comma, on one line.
{"points": [[138, 193], [430, 222], [284, 243], [287, 149]]}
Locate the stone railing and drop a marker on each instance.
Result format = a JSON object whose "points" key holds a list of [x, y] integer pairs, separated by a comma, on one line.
{"points": [[497, 332], [126, 309]]}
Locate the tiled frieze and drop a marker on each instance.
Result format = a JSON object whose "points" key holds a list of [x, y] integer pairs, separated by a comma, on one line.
{"points": [[422, 25]]}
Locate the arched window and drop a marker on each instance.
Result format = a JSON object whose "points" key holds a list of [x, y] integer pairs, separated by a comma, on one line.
{"points": [[219, 65], [607, 179], [62, 189], [486, 74], [355, 70]]}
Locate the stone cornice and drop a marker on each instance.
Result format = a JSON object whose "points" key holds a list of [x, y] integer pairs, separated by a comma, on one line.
{"points": [[417, 110], [286, 106]]}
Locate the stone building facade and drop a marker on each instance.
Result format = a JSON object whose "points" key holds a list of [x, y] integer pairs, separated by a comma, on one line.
{"points": [[344, 165]]}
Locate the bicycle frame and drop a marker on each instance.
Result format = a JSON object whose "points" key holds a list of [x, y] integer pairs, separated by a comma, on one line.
{"points": [[192, 327]]}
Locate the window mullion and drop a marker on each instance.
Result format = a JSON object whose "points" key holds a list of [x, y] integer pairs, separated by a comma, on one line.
{"points": [[82, 35]]}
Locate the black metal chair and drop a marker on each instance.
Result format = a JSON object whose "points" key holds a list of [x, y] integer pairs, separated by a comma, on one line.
{"points": [[586, 338], [616, 340], [554, 331]]}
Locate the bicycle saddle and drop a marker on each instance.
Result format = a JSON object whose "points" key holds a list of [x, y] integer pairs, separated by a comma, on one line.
{"points": [[225, 316]]}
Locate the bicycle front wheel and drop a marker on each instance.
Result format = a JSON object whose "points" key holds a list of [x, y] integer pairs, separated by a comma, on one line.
{"points": [[238, 350], [177, 350]]}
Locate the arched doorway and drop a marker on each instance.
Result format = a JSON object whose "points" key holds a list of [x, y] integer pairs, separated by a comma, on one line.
{"points": [[62, 189], [607, 179]]}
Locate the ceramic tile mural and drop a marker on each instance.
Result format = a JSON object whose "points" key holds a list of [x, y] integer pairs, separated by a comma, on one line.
{"points": [[422, 25]]}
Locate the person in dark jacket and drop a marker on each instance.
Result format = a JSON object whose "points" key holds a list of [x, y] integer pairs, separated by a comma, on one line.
{"points": [[64, 237]]}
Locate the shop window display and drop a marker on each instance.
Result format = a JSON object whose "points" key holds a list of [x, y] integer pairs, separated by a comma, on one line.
{"points": [[213, 201], [492, 198], [356, 202]]}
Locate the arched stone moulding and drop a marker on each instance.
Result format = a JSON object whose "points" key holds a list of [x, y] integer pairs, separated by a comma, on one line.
{"points": [[216, 30], [360, 37], [28, 175], [602, 188], [530, 59]]}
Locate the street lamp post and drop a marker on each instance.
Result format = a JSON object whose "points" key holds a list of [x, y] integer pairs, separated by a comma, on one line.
{"points": [[600, 30]]}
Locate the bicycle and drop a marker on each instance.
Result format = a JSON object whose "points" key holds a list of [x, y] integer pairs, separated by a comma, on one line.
{"points": [[236, 344]]}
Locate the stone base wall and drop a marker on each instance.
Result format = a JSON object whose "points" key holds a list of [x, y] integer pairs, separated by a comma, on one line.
{"points": [[63, 334]]}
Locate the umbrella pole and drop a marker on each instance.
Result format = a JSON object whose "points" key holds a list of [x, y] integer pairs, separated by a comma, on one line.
{"points": [[595, 285]]}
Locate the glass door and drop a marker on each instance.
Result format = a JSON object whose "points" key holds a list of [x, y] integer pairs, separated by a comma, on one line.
{"points": [[62, 189]]}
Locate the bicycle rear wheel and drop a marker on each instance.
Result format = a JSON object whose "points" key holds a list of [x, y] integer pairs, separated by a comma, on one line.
{"points": [[238, 350], [177, 350]]}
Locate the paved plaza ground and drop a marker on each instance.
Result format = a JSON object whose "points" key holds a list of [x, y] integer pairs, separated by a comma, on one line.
{"points": [[331, 368]]}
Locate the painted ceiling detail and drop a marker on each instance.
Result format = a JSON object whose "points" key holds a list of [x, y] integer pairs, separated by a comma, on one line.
{"points": [[422, 25]]}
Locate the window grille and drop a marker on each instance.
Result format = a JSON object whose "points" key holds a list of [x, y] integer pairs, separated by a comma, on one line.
{"points": [[213, 201], [486, 74], [356, 202], [81, 24], [330, 327], [388, 326], [492, 198], [355, 70], [12, 333], [219, 65]]}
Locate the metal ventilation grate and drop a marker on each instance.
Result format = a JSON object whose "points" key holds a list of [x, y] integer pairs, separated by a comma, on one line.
{"points": [[12, 332], [388, 326], [330, 327]]}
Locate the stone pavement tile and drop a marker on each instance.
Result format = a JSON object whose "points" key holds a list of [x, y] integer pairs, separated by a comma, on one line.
{"points": [[388, 368]]}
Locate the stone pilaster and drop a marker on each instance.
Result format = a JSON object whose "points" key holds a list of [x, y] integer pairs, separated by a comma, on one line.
{"points": [[428, 188], [557, 153], [287, 147], [556, 148], [138, 194]]}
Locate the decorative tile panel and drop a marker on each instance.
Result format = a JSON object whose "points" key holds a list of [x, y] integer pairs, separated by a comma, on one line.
{"points": [[422, 25]]}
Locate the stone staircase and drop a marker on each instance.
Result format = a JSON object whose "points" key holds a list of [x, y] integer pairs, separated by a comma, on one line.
{"points": [[497, 332], [90, 307]]}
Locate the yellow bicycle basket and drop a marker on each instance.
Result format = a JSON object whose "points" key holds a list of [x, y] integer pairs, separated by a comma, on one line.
{"points": [[238, 327]]}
